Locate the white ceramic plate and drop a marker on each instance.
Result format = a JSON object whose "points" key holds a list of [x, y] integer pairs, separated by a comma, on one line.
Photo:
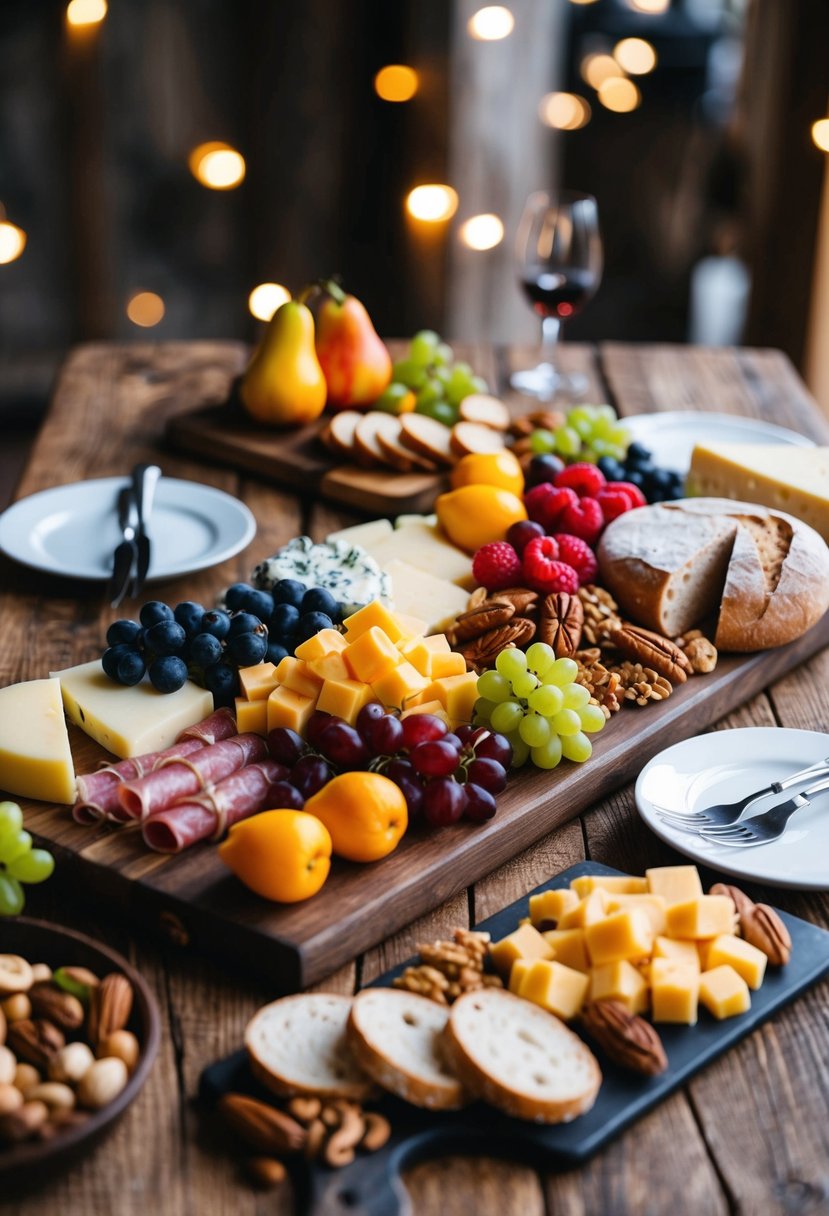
{"points": [[726, 765], [72, 530], [671, 436]]}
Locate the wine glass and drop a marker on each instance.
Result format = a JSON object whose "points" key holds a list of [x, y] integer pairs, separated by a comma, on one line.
{"points": [[559, 259]]}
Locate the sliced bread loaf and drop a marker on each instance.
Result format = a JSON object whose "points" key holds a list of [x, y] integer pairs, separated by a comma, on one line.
{"points": [[520, 1058], [297, 1045], [394, 1035]]}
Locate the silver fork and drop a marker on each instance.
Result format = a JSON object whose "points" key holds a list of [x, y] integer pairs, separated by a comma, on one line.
{"points": [[725, 813], [766, 826]]}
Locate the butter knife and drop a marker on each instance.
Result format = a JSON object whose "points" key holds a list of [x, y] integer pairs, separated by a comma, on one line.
{"points": [[126, 553], [145, 478]]}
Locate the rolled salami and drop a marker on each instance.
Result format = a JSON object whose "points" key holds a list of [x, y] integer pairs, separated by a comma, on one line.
{"points": [[207, 816], [175, 779], [219, 725], [98, 792]]}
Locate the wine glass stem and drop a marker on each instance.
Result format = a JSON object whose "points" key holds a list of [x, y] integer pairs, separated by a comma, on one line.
{"points": [[550, 331]]}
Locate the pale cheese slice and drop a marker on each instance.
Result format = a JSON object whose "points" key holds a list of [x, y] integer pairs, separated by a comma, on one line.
{"points": [[129, 721], [425, 546], [35, 759], [363, 534], [417, 593], [786, 478]]}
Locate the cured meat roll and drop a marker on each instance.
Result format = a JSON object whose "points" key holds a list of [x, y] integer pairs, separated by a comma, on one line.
{"points": [[176, 779], [218, 726]]}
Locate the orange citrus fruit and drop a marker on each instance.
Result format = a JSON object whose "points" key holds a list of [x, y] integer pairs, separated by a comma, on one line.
{"points": [[281, 855], [475, 515], [364, 812], [500, 469]]}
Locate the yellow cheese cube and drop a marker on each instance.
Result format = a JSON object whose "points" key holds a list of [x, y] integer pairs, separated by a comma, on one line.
{"points": [[704, 916], [568, 947], [374, 616], [252, 716], [427, 707], [517, 972], [289, 708], [412, 626], [654, 905], [459, 695], [397, 685], [619, 884], [622, 982], [257, 682], [371, 655], [546, 907], [554, 987], [677, 951], [330, 667], [524, 942], [297, 675], [344, 698], [676, 884], [420, 651], [723, 992], [451, 664], [674, 991], [327, 641], [731, 951], [624, 935], [587, 911]]}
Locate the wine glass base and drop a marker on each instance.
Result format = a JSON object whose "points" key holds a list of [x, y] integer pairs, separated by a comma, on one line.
{"points": [[545, 382]]}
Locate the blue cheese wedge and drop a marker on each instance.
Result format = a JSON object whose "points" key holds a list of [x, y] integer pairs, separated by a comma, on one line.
{"points": [[341, 567]]}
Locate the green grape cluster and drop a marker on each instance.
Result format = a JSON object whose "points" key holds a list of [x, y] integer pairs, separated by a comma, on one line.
{"points": [[19, 862], [430, 374], [534, 700], [589, 433]]}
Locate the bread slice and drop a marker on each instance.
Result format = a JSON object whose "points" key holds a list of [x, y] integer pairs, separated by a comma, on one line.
{"points": [[428, 437], [470, 438], [520, 1058], [394, 1035], [297, 1045]]}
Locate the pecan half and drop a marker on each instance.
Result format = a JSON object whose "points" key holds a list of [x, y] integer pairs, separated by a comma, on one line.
{"points": [[742, 902], [489, 615], [483, 651], [61, 1008], [261, 1126], [562, 618], [763, 928], [524, 599], [110, 1005], [624, 1037], [35, 1042], [652, 650]]}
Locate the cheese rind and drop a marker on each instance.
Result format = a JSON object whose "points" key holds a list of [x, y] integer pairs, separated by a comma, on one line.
{"points": [[35, 758]]}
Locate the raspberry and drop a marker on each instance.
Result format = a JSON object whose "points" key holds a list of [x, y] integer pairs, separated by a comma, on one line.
{"points": [[613, 502], [578, 554], [582, 477], [635, 495], [545, 503], [583, 518], [496, 566], [544, 572]]}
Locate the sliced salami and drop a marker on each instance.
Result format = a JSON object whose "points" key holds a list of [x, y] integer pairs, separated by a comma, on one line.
{"points": [[218, 726], [174, 779], [98, 791], [207, 816]]}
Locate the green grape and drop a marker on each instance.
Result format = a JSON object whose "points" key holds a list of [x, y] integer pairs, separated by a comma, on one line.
{"points": [[600, 447], [520, 750], [602, 428], [459, 386], [483, 709], [391, 399], [506, 717], [616, 451], [443, 374], [11, 821], [479, 385], [540, 658], [535, 730], [524, 683], [405, 371], [568, 441], [430, 394], [443, 412], [542, 442], [34, 866], [546, 700], [15, 846], [442, 355], [619, 434], [549, 754], [562, 672], [11, 896], [592, 719], [582, 426], [575, 696], [511, 662], [494, 687], [577, 747], [566, 722], [423, 347], [607, 411]]}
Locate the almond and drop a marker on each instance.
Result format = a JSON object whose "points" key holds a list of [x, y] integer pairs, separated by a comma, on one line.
{"points": [[263, 1127], [110, 1005]]}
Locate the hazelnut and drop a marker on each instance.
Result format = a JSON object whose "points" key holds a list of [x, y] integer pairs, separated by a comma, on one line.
{"points": [[71, 1063], [8, 1064], [10, 1098], [17, 1008], [41, 973], [102, 1083], [26, 1075], [121, 1045]]}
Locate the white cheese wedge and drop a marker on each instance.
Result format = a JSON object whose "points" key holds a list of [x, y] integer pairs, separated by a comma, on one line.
{"points": [[35, 760], [791, 479], [426, 547], [129, 721], [363, 534], [417, 593]]}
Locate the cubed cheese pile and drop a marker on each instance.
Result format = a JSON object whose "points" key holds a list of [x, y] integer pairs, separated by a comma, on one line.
{"points": [[382, 656], [656, 944]]}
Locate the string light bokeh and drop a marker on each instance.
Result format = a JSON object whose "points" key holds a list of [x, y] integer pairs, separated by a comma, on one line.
{"points": [[396, 82], [264, 300], [433, 203], [217, 165], [491, 24], [145, 309]]}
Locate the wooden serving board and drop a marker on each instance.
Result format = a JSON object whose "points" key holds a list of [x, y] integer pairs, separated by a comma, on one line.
{"points": [[195, 900], [373, 1182]]}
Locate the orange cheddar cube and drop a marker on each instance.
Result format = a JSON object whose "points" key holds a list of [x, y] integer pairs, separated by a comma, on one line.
{"points": [[286, 707], [587, 911], [327, 641], [421, 651], [730, 951], [257, 682], [252, 716], [675, 884], [623, 935], [524, 942], [674, 991], [547, 907], [345, 698], [723, 992], [568, 947], [296, 674], [371, 655], [517, 972], [330, 667], [374, 616], [556, 988], [703, 916], [397, 685], [459, 695], [677, 951], [654, 905], [622, 982], [619, 884], [444, 665]]}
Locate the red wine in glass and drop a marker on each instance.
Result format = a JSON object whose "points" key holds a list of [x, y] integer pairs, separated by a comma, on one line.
{"points": [[561, 294]]}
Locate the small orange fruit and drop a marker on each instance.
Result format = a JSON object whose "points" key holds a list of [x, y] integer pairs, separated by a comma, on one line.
{"points": [[364, 812], [281, 855], [474, 515], [501, 469]]}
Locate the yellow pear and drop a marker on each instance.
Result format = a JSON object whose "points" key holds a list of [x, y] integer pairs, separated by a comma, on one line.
{"points": [[284, 384]]}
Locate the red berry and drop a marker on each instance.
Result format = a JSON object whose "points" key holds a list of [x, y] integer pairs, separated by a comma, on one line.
{"points": [[520, 534], [582, 477], [635, 495], [544, 572], [613, 503], [578, 554], [545, 504], [583, 518], [496, 566]]}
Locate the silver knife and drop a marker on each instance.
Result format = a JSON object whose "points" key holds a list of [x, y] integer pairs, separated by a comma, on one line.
{"points": [[126, 553], [145, 478]]}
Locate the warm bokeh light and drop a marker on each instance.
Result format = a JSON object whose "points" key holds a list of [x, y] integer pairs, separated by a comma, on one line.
{"points": [[217, 165], [650, 6], [619, 94], [12, 242], [146, 309], [635, 55], [264, 300], [596, 69], [433, 203], [86, 12], [481, 231], [396, 82], [564, 111], [582, 1], [492, 23], [820, 134]]}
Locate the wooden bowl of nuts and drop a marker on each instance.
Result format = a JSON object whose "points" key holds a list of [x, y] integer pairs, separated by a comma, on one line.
{"points": [[79, 1031]]}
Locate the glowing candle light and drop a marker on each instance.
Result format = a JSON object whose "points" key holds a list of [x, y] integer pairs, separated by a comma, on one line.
{"points": [[433, 204], [217, 165], [820, 134], [86, 12], [12, 242], [396, 82], [264, 300]]}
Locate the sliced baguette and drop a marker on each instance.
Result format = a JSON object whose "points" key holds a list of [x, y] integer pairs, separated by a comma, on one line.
{"points": [[297, 1045], [427, 436], [470, 438], [366, 447], [388, 429], [489, 411], [340, 432], [394, 1036], [520, 1058]]}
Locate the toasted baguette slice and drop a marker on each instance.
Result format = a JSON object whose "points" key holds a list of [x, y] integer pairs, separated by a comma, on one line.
{"points": [[470, 438], [297, 1045], [481, 407], [387, 429], [340, 432], [366, 447], [520, 1058], [394, 1036], [427, 436]]}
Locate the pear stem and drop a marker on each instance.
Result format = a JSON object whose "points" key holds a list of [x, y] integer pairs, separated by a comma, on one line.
{"points": [[334, 290]]}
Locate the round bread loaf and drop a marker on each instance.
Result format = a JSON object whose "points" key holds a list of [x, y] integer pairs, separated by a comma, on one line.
{"points": [[672, 565]]}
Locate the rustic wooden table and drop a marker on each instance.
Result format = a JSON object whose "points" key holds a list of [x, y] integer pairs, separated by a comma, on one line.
{"points": [[749, 1134]]}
